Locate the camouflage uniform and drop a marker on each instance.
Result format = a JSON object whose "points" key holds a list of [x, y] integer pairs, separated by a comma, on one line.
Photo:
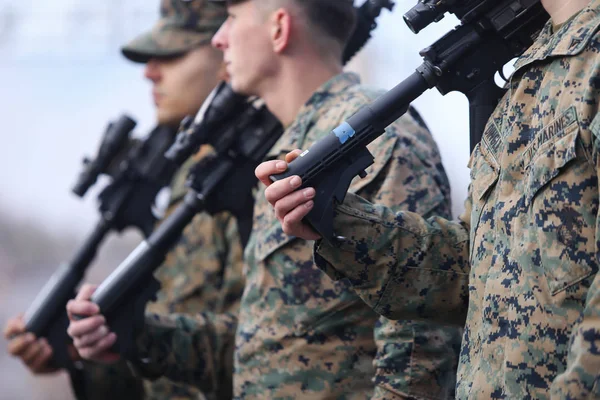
{"points": [[522, 263], [300, 334], [204, 270]]}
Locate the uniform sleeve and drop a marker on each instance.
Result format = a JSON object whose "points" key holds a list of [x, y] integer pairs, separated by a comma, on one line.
{"points": [[204, 271], [231, 294], [400, 264], [186, 349], [581, 379], [233, 276], [195, 345], [414, 360]]}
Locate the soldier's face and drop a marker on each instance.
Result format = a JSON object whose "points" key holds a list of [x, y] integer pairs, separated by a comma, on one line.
{"points": [[245, 40], [180, 85]]}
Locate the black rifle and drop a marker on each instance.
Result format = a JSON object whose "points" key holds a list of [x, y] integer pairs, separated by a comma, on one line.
{"points": [[491, 33], [366, 22], [221, 181], [241, 131], [138, 173]]}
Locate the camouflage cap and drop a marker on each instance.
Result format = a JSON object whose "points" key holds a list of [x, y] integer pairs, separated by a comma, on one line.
{"points": [[183, 25]]}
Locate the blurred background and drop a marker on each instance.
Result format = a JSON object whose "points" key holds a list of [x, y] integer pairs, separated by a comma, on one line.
{"points": [[62, 79]]}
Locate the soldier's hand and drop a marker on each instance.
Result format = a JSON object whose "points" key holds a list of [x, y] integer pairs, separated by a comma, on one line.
{"points": [[34, 353], [290, 204], [91, 336]]}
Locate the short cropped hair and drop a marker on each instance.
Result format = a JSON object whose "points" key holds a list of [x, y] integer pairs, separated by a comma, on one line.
{"points": [[333, 20]]}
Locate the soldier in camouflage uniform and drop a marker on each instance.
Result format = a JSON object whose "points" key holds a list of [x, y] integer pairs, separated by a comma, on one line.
{"points": [[204, 270], [301, 335], [521, 265]]}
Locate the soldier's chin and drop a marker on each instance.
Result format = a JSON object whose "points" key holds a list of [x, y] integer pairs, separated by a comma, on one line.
{"points": [[167, 117], [239, 87]]}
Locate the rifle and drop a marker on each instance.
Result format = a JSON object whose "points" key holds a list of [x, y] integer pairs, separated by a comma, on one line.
{"points": [[491, 33], [137, 176], [241, 131], [366, 22]]}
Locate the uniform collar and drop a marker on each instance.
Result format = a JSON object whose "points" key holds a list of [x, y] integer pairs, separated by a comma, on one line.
{"points": [[335, 85], [569, 40], [294, 135]]}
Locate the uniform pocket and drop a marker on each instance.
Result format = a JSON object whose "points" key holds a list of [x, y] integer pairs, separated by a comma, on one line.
{"points": [[484, 176], [560, 205], [551, 159]]}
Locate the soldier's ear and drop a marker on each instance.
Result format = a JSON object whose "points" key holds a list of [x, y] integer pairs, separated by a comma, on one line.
{"points": [[280, 29]]}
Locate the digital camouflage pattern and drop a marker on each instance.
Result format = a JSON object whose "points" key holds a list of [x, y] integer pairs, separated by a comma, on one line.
{"points": [[183, 26], [203, 272], [522, 263], [415, 361], [300, 334]]}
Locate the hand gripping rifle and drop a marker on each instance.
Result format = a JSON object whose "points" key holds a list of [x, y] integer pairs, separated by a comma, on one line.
{"points": [[138, 174], [241, 131], [221, 181], [491, 33]]}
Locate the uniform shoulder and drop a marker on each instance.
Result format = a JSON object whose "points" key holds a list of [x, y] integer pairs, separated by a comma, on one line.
{"points": [[361, 92], [409, 128], [354, 97], [592, 47], [408, 124], [340, 106]]}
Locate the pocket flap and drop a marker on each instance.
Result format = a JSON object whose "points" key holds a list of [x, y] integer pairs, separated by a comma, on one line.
{"points": [[549, 161], [273, 239], [484, 172]]}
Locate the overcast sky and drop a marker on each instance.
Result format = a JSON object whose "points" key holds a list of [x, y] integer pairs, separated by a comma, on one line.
{"points": [[62, 79]]}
